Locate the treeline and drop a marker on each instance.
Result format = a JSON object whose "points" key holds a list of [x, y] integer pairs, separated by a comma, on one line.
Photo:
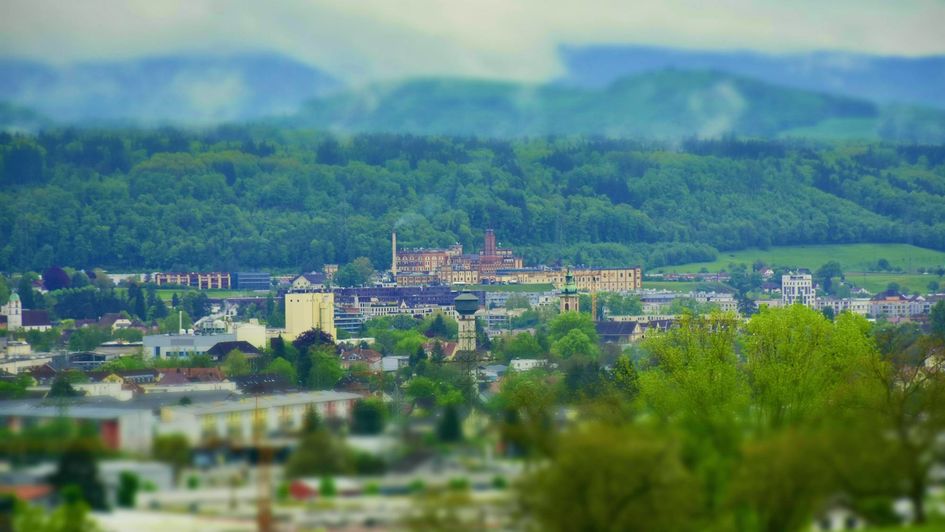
{"points": [[236, 198]]}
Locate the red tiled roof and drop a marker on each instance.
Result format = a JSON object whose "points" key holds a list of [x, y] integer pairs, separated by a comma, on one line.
{"points": [[27, 492]]}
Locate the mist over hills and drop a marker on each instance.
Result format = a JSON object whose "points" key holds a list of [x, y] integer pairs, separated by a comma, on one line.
{"points": [[176, 89], [608, 91], [907, 80], [664, 104]]}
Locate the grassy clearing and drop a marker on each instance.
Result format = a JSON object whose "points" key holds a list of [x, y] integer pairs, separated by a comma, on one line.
{"points": [[877, 282], [167, 293], [852, 257]]}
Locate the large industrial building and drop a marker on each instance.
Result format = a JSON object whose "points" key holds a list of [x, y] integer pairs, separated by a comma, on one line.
{"points": [[451, 265], [309, 310]]}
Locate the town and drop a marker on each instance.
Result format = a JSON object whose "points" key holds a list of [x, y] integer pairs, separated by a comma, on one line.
{"points": [[216, 397]]}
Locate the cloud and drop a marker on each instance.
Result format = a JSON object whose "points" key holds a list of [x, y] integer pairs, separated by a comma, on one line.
{"points": [[379, 39]]}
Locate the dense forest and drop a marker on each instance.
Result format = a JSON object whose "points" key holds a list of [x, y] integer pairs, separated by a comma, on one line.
{"points": [[257, 197]]}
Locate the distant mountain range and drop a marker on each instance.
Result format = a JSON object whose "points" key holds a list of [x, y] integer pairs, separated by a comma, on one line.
{"points": [[190, 90], [905, 80], [613, 91], [665, 104]]}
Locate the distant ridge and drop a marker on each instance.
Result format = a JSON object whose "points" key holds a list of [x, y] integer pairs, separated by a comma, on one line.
{"points": [[665, 104], [907, 80], [173, 89]]}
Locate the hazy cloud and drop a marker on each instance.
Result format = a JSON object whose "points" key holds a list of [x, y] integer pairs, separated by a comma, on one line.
{"points": [[374, 39]]}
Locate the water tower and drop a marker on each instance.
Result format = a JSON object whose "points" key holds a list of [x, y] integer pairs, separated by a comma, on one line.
{"points": [[466, 305]]}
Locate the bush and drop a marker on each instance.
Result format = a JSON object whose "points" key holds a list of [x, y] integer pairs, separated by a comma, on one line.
{"points": [[459, 484], [500, 483], [327, 488], [416, 486], [368, 464]]}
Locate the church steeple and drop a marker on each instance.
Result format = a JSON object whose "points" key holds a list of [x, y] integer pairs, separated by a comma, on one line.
{"points": [[569, 294]]}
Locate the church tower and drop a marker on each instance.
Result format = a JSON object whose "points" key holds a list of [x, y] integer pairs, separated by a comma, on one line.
{"points": [[569, 294], [13, 310]]}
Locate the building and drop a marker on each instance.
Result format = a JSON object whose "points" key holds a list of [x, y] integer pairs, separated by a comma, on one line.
{"points": [[892, 304], [619, 332], [13, 312], [859, 306], [252, 281], [451, 265], [586, 279], [309, 281], [525, 364], [199, 280], [235, 420], [570, 301], [182, 345], [219, 351], [309, 310], [467, 305], [797, 288], [120, 428]]}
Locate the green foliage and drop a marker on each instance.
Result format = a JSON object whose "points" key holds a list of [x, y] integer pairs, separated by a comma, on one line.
{"points": [[88, 338], [522, 345], [449, 428], [16, 388], [421, 390], [78, 469], [326, 369], [357, 273], [825, 274], [688, 305], [319, 453], [172, 449], [281, 366], [937, 320], [128, 484], [525, 408], [174, 322], [70, 516], [595, 483], [369, 416], [62, 388], [593, 201], [235, 364], [563, 324]]}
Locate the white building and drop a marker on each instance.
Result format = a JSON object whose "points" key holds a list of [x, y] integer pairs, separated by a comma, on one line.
{"points": [[13, 310], [525, 364], [797, 288], [234, 420]]}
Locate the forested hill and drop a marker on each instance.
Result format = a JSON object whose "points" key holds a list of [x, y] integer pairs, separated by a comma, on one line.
{"points": [[668, 104], [234, 198]]}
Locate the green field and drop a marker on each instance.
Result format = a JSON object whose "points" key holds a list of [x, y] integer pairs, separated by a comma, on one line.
{"points": [[167, 293], [908, 283], [852, 257]]}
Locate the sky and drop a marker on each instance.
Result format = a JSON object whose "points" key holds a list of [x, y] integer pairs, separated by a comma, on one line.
{"points": [[367, 40]]}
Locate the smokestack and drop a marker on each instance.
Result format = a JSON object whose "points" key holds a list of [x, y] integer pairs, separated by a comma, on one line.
{"points": [[393, 253]]}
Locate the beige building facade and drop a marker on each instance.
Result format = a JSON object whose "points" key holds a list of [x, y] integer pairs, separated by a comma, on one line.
{"points": [[309, 310]]}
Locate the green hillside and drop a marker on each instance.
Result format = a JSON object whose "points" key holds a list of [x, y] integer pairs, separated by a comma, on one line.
{"points": [[665, 104], [852, 257], [236, 198]]}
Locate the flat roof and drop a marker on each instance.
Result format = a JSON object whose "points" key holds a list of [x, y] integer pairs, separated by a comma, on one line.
{"points": [[248, 402]]}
